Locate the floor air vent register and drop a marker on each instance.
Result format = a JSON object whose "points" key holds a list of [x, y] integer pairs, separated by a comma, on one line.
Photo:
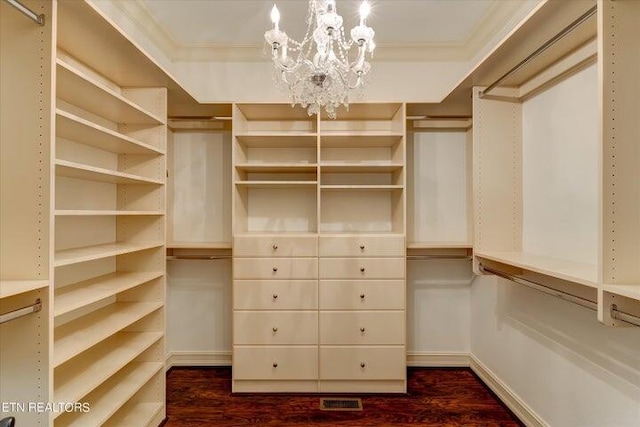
{"points": [[340, 404]]}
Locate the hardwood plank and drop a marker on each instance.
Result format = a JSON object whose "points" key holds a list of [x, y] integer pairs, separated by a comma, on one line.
{"points": [[443, 397]]}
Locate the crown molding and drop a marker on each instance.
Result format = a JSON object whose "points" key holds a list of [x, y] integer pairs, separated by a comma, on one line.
{"points": [[489, 26]]}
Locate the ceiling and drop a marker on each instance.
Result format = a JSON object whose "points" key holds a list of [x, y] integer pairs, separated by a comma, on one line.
{"points": [[188, 30]]}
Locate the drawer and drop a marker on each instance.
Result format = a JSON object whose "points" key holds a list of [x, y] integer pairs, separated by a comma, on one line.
{"points": [[275, 294], [275, 363], [362, 327], [362, 294], [269, 327], [275, 268], [275, 246], [365, 245], [362, 363], [362, 268]]}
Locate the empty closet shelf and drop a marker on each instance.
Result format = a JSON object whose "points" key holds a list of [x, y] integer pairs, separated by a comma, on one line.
{"points": [[80, 89], [10, 288], [76, 379], [91, 173], [90, 253], [84, 293], [135, 414], [74, 128], [80, 334], [106, 400]]}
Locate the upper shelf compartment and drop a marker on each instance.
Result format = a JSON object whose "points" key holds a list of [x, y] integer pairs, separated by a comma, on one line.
{"points": [[366, 119], [273, 119], [81, 89]]}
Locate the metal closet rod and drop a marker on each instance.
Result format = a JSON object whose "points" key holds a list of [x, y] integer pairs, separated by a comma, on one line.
{"points": [[566, 30], [15, 314], [430, 257], [625, 317], [39, 19]]}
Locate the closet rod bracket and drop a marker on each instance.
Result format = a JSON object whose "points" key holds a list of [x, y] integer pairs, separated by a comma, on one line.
{"points": [[621, 315], [37, 18], [15, 314]]}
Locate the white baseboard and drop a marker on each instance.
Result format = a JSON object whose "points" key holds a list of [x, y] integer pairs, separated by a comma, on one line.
{"points": [[423, 359], [198, 358], [523, 411]]}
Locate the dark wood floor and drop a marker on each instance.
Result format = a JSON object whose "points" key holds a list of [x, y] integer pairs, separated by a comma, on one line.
{"points": [[436, 397]]}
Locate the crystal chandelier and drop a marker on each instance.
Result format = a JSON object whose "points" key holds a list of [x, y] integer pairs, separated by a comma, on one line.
{"points": [[322, 77]]}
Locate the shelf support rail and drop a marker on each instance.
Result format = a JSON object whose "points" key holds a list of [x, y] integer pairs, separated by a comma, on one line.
{"points": [[15, 314], [566, 30], [615, 313], [38, 19]]}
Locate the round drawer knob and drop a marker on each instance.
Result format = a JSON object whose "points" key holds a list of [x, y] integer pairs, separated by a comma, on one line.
{"points": [[275, 269], [275, 329], [361, 329], [275, 296], [361, 269], [275, 364], [362, 247], [362, 364], [274, 247], [361, 296]]}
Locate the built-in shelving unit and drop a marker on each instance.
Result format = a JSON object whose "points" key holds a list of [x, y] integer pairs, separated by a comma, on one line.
{"points": [[319, 210], [25, 148], [556, 160], [109, 257]]}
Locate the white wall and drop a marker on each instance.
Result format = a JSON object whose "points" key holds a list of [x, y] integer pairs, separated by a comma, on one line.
{"points": [[560, 170], [199, 306], [201, 179], [555, 356], [438, 307], [437, 184]]}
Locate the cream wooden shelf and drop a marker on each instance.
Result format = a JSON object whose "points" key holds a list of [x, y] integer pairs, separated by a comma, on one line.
{"points": [[440, 245], [80, 334], [74, 128], [81, 90], [106, 400], [277, 184], [584, 274], [135, 414], [79, 377], [89, 212], [277, 167], [91, 173], [274, 112], [383, 111], [360, 139], [10, 288], [277, 138], [83, 293], [360, 167], [361, 187], [199, 245], [629, 291], [90, 253]]}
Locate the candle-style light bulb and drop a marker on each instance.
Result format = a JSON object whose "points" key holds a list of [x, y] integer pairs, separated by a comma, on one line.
{"points": [[275, 16], [364, 11]]}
